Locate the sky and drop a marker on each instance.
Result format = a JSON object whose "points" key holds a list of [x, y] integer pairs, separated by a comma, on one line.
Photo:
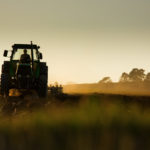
{"points": [[82, 41]]}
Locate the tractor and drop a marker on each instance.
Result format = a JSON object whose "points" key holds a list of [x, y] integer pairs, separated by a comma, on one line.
{"points": [[24, 73]]}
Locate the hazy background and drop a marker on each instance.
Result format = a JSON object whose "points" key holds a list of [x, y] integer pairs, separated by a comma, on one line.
{"points": [[81, 40]]}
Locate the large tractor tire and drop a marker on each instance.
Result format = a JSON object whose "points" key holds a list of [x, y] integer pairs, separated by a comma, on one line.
{"points": [[5, 79], [43, 79], [43, 69], [42, 86]]}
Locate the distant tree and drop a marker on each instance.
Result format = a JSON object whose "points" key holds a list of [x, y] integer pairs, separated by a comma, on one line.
{"points": [[105, 80], [147, 78], [137, 75], [124, 77]]}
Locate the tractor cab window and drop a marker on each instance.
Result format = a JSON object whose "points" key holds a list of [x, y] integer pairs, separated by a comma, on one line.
{"points": [[19, 52]]}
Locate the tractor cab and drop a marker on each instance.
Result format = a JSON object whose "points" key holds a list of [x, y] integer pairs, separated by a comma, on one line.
{"points": [[24, 61], [24, 70]]}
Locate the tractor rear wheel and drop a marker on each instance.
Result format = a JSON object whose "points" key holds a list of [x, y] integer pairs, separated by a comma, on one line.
{"points": [[42, 86], [42, 81]]}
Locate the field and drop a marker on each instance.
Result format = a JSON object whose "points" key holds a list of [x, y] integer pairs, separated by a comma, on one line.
{"points": [[77, 122]]}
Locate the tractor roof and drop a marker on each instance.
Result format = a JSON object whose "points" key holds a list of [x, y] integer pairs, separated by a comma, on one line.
{"points": [[25, 46]]}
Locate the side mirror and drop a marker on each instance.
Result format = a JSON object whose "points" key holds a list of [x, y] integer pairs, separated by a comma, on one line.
{"points": [[40, 56], [5, 53]]}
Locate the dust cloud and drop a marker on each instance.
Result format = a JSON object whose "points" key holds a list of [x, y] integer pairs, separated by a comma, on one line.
{"points": [[113, 88]]}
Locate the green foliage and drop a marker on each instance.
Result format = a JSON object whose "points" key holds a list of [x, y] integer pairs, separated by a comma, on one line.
{"points": [[147, 78], [94, 123], [124, 77], [135, 75], [105, 80]]}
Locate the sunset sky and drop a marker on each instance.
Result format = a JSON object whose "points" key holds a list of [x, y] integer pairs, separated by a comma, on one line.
{"points": [[81, 40]]}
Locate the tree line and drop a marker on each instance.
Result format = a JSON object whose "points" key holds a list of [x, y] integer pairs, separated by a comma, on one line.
{"points": [[135, 75]]}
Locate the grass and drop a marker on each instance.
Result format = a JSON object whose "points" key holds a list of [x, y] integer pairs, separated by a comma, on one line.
{"points": [[94, 122]]}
